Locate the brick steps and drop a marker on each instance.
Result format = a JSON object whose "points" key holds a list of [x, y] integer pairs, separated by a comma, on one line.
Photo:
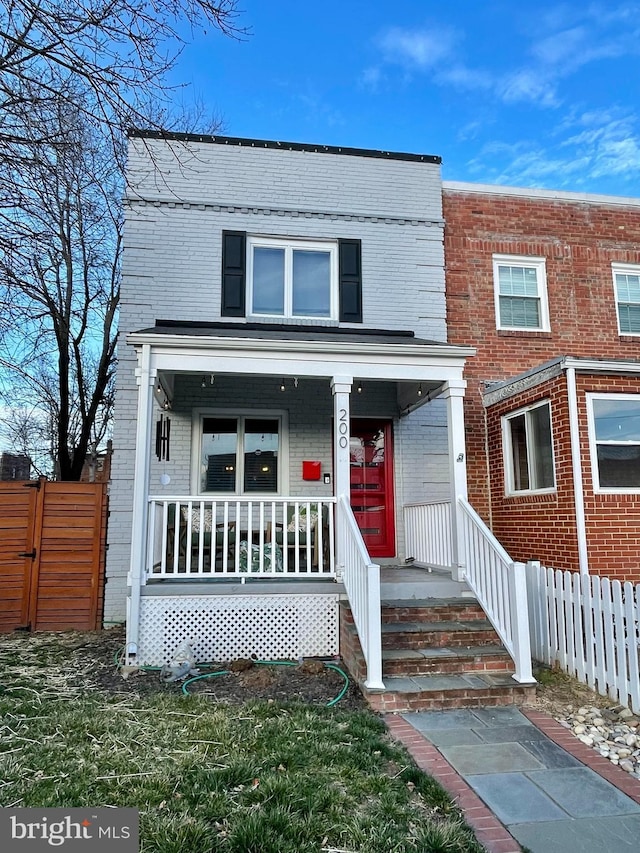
{"points": [[436, 654]]}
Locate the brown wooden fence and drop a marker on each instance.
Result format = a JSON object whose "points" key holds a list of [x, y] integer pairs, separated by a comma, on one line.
{"points": [[52, 555]]}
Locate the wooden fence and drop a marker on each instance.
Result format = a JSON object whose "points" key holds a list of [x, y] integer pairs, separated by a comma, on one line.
{"points": [[589, 626], [52, 555]]}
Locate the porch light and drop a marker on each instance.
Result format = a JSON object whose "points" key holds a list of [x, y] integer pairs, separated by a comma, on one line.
{"points": [[282, 386], [203, 384], [359, 388], [420, 390]]}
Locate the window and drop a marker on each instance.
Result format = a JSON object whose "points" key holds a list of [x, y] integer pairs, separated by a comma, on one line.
{"points": [[520, 293], [528, 450], [296, 279], [627, 289], [614, 431], [240, 455], [274, 278]]}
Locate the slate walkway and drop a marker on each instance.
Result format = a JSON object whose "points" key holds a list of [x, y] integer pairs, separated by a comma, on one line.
{"points": [[522, 778]]}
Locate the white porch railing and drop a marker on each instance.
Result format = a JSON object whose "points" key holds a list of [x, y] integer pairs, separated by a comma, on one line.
{"points": [[500, 586], [361, 580], [428, 533], [194, 537]]}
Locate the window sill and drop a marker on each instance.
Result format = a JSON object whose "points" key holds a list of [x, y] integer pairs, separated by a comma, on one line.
{"points": [[524, 333]]}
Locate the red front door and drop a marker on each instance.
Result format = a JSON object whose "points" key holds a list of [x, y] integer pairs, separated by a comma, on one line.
{"points": [[372, 484]]}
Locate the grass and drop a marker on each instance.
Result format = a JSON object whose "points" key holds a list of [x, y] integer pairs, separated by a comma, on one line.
{"points": [[210, 778]]}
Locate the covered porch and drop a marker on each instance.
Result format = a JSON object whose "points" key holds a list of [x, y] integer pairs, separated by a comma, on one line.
{"points": [[332, 444]]}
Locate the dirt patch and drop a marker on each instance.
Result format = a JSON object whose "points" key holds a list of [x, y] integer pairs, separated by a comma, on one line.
{"points": [[96, 656], [559, 695]]}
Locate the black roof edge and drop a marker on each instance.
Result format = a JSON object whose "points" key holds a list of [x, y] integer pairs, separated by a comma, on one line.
{"points": [[172, 136], [280, 327]]}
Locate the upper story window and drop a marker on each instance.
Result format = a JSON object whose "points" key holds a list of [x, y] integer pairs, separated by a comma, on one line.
{"points": [[277, 278], [614, 438], [292, 278], [520, 286], [626, 281], [528, 450]]}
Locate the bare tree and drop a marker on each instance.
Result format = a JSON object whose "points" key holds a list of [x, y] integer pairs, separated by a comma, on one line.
{"points": [[60, 241], [119, 50]]}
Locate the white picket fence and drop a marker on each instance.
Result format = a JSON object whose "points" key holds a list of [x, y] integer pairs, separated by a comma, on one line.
{"points": [[589, 626]]}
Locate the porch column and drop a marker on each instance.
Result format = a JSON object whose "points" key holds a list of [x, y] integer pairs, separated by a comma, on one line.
{"points": [[145, 378], [453, 393], [341, 390]]}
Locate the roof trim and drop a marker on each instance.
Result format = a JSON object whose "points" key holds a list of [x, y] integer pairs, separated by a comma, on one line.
{"points": [[243, 142], [549, 195]]}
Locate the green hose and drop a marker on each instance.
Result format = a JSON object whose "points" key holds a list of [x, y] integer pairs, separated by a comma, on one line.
{"points": [[119, 654], [332, 666]]}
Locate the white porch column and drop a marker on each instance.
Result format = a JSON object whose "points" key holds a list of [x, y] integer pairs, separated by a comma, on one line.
{"points": [[453, 393], [145, 379], [341, 389]]}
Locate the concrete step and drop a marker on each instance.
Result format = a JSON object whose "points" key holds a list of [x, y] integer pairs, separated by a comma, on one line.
{"points": [[446, 661], [415, 582], [431, 692], [439, 634]]}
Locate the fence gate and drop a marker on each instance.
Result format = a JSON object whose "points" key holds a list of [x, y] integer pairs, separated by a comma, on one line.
{"points": [[52, 554]]}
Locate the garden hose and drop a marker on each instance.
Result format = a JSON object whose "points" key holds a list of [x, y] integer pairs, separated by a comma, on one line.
{"points": [[119, 655]]}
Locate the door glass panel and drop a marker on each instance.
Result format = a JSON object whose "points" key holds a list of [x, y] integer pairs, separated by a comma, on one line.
{"points": [[218, 462], [261, 446]]}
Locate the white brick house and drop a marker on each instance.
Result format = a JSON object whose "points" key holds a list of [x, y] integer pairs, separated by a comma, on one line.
{"points": [[282, 327]]}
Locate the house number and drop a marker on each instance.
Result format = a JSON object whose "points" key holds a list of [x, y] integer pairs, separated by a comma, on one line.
{"points": [[343, 429]]}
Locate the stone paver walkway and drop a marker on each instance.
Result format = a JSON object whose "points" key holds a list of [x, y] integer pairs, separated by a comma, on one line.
{"points": [[522, 778]]}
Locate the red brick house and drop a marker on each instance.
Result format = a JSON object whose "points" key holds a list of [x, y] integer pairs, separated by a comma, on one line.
{"points": [[546, 286]]}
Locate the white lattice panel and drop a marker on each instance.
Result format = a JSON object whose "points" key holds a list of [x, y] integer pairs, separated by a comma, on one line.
{"points": [[219, 628]]}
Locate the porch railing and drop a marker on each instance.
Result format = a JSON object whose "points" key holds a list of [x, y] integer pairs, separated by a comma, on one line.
{"points": [[217, 537], [428, 533], [500, 586], [361, 580]]}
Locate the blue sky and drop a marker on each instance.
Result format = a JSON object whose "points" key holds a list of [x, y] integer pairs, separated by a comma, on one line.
{"points": [[525, 93]]}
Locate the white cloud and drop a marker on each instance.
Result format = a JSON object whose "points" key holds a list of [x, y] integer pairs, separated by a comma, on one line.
{"points": [[555, 46], [583, 148], [420, 49]]}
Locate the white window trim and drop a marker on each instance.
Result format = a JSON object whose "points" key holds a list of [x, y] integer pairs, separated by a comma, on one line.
{"points": [[593, 445], [623, 269], [507, 452], [539, 264], [292, 243], [283, 458]]}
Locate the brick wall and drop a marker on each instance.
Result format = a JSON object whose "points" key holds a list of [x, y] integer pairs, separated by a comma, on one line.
{"points": [[180, 197], [579, 237]]}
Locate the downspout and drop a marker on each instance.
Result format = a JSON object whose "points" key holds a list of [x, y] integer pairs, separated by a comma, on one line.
{"points": [[576, 464], [145, 381]]}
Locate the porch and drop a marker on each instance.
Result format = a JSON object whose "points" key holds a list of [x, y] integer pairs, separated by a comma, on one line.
{"points": [[229, 558]]}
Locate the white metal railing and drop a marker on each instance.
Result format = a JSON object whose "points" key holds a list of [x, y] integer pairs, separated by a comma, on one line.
{"points": [[361, 579], [589, 626], [197, 537], [500, 586], [428, 533]]}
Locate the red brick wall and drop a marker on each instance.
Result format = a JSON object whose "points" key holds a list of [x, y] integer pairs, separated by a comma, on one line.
{"points": [[536, 527], [579, 242]]}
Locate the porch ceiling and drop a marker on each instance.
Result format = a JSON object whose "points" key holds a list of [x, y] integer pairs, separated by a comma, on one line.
{"points": [[270, 349]]}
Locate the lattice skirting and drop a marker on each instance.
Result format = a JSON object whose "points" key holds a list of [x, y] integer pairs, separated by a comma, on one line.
{"points": [[222, 628]]}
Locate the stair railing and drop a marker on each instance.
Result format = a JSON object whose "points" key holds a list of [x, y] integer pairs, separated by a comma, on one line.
{"points": [[361, 579], [500, 586]]}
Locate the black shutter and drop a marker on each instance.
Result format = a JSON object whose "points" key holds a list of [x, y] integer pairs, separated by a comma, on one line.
{"points": [[234, 277], [350, 275]]}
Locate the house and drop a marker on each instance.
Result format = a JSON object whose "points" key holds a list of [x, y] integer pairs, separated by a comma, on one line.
{"points": [[14, 467], [546, 286], [289, 413]]}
